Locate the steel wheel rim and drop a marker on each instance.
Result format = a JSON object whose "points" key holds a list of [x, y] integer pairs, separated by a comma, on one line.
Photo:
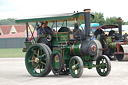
{"points": [[36, 60], [74, 67], [103, 66]]}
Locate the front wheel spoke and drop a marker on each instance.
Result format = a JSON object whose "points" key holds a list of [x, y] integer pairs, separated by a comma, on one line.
{"points": [[100, 65], [106, 65], [77, 64], [78, 70], [102, 60], [100, 69], [105, 61], [74, 71], [73, 62], [103, 70]]}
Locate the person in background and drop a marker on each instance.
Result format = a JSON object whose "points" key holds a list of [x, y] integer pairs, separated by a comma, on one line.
{"points": [[98, 32], [37, 27], [76, 28]]}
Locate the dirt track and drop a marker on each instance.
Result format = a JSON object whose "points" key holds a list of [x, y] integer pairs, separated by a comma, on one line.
{"points": [[13, 72]]}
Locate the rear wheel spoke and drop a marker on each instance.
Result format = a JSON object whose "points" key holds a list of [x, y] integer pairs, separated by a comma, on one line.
{"points": [[41, 56], [35, 52], [30, 61], [34, 71], [43, 63], [39, 67]]}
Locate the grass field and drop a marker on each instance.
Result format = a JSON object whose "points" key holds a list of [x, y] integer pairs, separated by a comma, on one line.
{"points": [[11, 53]]}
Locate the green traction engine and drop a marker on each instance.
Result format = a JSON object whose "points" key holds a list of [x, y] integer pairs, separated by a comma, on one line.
{"points": [[66, 52], [114, 44]]}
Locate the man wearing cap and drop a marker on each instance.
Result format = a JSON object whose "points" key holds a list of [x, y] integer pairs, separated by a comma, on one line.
{"points": [[98, 32]]}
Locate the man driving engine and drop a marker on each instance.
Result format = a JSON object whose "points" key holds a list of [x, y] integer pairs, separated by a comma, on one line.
{"points": [[44, 29], [98, 32]]}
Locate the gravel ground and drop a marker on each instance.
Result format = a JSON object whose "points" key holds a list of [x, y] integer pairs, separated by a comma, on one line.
{"points": [[13, 72]]}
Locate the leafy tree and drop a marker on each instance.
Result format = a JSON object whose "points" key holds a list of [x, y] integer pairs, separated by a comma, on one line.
{"points": [[98, 18], [126, 23], [9, 21], [113, 21]]}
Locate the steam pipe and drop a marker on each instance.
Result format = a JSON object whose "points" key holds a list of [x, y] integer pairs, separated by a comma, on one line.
{"points": [[88, 46], [87, 22], [27, 31], [120, 26]]}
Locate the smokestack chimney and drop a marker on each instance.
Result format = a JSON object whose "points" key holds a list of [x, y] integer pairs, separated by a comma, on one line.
{"points": [[87, 21], [120, 26]]}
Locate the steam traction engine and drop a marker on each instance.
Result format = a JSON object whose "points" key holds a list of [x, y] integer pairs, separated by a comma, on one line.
{"points": [[122, 45], [114, 44], [65, 52]]}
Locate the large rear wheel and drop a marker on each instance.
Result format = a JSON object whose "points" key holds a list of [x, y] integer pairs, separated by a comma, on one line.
{"points": [[37, 60], [50, 53]]}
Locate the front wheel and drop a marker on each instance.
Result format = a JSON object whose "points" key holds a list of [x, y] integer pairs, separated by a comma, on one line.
{"points": [[103, 65], [76, 67]]}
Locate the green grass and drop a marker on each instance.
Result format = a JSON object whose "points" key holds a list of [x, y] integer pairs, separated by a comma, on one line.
{"points": [[11, 53]]}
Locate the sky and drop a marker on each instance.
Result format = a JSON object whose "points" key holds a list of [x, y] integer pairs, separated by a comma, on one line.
{"points": [[29, 8]]}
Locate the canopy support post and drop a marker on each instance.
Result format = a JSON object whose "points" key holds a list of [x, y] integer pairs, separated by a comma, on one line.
{"points": [[56, 31], [53, 24], [31, 32], [63, 23], [27, 30], [66, 23]]}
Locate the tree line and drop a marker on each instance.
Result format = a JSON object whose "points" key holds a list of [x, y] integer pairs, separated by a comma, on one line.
{"points": [[9, 21], [98, 18]]}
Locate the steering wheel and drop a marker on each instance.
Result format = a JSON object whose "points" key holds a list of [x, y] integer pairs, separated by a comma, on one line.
{"points": [[49, 37]]}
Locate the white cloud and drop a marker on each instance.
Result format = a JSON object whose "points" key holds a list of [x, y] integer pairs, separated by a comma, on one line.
{"points": [[23, 8]]}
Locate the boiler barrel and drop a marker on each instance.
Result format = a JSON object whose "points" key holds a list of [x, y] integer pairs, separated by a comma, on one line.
{"points": [[92, 48], [75, 49]]}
